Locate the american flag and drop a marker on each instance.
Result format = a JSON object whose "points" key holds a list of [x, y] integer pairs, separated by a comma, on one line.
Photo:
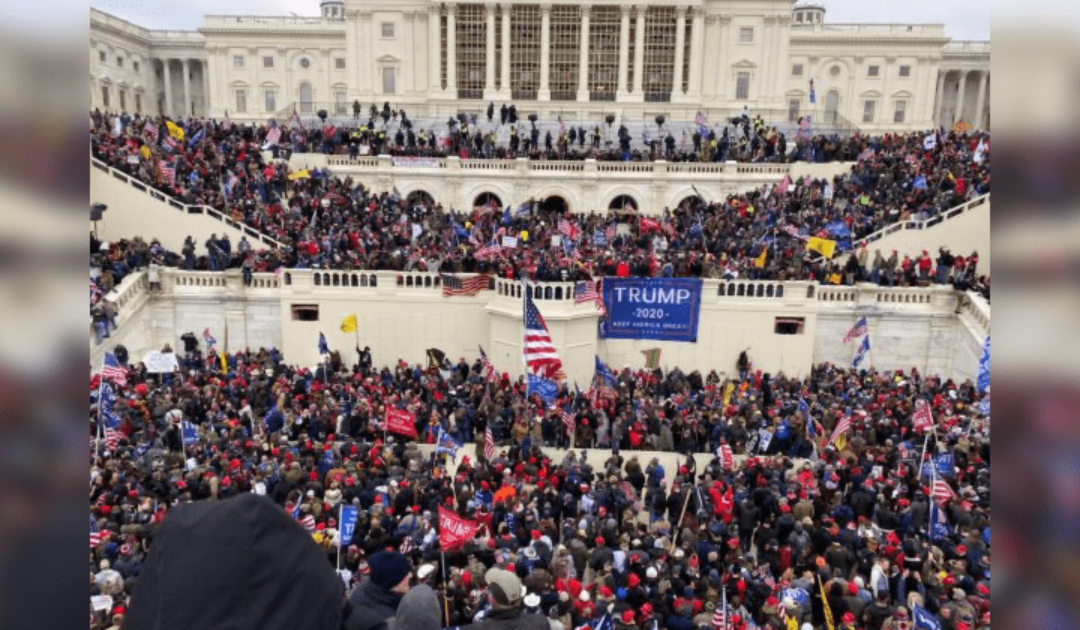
{"points": [[308, 522], [866, 154], [589, 291], [453, 285], [610, 232], [568, 229], [922, 418], [858, 330], [151, 130], [95, 292], [792, 230], [843, 425], [727, 457], [628, 490], [210, 341], [97, 537], [540, 356], [168, 172], [112, 438], [273, 136], [489, 444], [111, 368], [941, 492], [407, 544], [720, 620], [569, 420], [488, 251], [700, 119], [486, 365], [295, 119]]}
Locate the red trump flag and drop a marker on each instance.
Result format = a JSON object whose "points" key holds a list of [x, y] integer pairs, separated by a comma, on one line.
{"points": [[401, 422], [454, 531]]}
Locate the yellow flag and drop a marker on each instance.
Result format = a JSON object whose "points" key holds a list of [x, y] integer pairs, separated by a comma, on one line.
{"points": [[729, 389], [759, 262], [144, 151], [825, 601], [176, 132], [348, 324], [224, 364], [823, 246], [295, 175], [834, 279], [841, 442]]}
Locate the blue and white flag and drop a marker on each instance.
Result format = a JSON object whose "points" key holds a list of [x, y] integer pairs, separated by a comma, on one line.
{"points": [[764, 439], [107, 406], [939, 526], [599, 238], [605, 374], [984, 367], [919, 183], [348, 517], [929, 142], [446, 444], [546, 389], [984, 406], [189, 432], [923, 619], [864, 348], [195, 139], [323, 348]]}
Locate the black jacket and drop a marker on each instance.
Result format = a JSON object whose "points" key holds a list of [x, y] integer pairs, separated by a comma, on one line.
{"points": [[511, 619], [240, 563], [372, 607]]}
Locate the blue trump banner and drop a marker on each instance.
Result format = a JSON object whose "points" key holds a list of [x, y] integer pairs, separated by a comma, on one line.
{"points": [[546, 389], [665, 309], [348, 518]]}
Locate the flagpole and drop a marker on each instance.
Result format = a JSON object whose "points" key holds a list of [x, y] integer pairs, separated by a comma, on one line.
{"points": [[926, 443], [101, 416], [446, 591], [341, 525]]}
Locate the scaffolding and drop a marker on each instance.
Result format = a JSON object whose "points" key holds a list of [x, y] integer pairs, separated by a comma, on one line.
{"points": [[604, 28], [659, 62], [471, 50]]}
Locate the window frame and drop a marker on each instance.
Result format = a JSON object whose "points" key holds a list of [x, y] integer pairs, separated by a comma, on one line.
{"points": [[393, 76], [382, 30], [799, 67], [238, 94], [869, 107], [900, 108], [873, 71], [239, 62], [904, 71], [270, 58], [738, 76], [743, 30], [270, 94]]}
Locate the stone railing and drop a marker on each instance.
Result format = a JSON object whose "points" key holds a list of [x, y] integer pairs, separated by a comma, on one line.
{"points": [[922, 225], [541, 291], [185, 208], [977, 308], [231, 283], [128, 298], [871, 29]]}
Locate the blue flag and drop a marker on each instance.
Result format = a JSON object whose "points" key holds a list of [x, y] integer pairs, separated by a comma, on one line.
{"points": [[599, 237], [189, 431], [199, 135], [764, 439], [546, 389], [506, 216], [923, 619], [984, 367], [919, 183], [864, 348], [107, 406], [323, 348], [939, 526], [460, 231], [605, 374], [696, 231], [348, 518], [446, 444]]}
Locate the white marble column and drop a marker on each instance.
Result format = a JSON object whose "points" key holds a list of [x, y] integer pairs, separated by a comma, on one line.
{"points": [[489, 51], [697, 38], [544, 93], [435, 51], [639, 52], [451, 49], [206, 86], [939, 96], [981, 101], [583, 55], [680, 54], [504, 89], [624, 51], [186, 67], [723, 74], [167, 75], [368, 81], [406, 86], [958, 113]]}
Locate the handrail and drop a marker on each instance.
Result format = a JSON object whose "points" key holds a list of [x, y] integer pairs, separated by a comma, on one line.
{"points": [[977, 306], [185, 208], [970, 204]]}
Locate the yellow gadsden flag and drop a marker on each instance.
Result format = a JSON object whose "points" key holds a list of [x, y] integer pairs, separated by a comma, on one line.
{"points": [[823, 246], [759, 262], [176, 132], [295, 175], [349, 324]]}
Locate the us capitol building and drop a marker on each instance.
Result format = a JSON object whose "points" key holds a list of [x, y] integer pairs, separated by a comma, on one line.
{"points": [[581, 61]]}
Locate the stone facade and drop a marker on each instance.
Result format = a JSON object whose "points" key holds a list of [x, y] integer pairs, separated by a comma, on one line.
{"points": [[580, 61]]}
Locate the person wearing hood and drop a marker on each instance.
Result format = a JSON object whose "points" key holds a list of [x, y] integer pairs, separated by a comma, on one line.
{"points": [[419, 610], [377, 599], [505, 596]]}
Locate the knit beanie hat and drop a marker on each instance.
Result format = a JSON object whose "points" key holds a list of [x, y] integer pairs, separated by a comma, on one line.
{"points": [[388, 569]]}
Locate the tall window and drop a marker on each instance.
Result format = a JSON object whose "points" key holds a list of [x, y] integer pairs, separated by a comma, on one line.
{"points": [[793, 109], [270, 100], [241, 101], [632, 49], [525, 27], [659, 53], [565, 51], [105, 96], [119, 62], [341, 106], [101, 56], [339, 63], [123, 99], [443, 75], [686, 53], [388, 81], [742, 86], [900, 112], [306, 104], [604, 26], [471, 50], [138, 103], [868, 110]]}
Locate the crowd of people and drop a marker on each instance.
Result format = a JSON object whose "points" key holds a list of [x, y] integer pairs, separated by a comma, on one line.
{"points": [[327, 222], [786, 521]]}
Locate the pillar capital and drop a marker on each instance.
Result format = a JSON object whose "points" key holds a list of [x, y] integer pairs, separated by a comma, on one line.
{"points": [[625, 8], [586, 9], [545, 7], [490, 7], [681, 10]]}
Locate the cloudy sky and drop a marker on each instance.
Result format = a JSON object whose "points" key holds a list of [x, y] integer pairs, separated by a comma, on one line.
{"points": [[963, 19]]}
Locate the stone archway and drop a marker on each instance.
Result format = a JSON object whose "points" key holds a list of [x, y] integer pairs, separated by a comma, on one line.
{"points": [[554, 203], [486, 198], [624, 202], [421, 197]]}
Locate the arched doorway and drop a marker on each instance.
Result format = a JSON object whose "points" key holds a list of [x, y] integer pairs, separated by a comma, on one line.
{"points": [[691, 202], [832, 105], [421, 198], [554, 203], [623, 202], [305, 98], [485, 199]]}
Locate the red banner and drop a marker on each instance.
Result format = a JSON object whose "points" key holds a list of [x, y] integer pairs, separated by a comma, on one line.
{"points": [[647, 225], [454, 531], [401, 422], [922, 419]]}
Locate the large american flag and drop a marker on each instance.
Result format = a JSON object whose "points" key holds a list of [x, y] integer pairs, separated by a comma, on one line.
{"points": [[727, 457], [111, 369], [453, 285], [720, 619], [858, 330], [151, 130], [489, 444], [486, 252], [941, 492], [568, 229], [540, 355], [97, 537], [112, 438], [569, 420], [168, 172], [486, 365], [841, 426]]}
